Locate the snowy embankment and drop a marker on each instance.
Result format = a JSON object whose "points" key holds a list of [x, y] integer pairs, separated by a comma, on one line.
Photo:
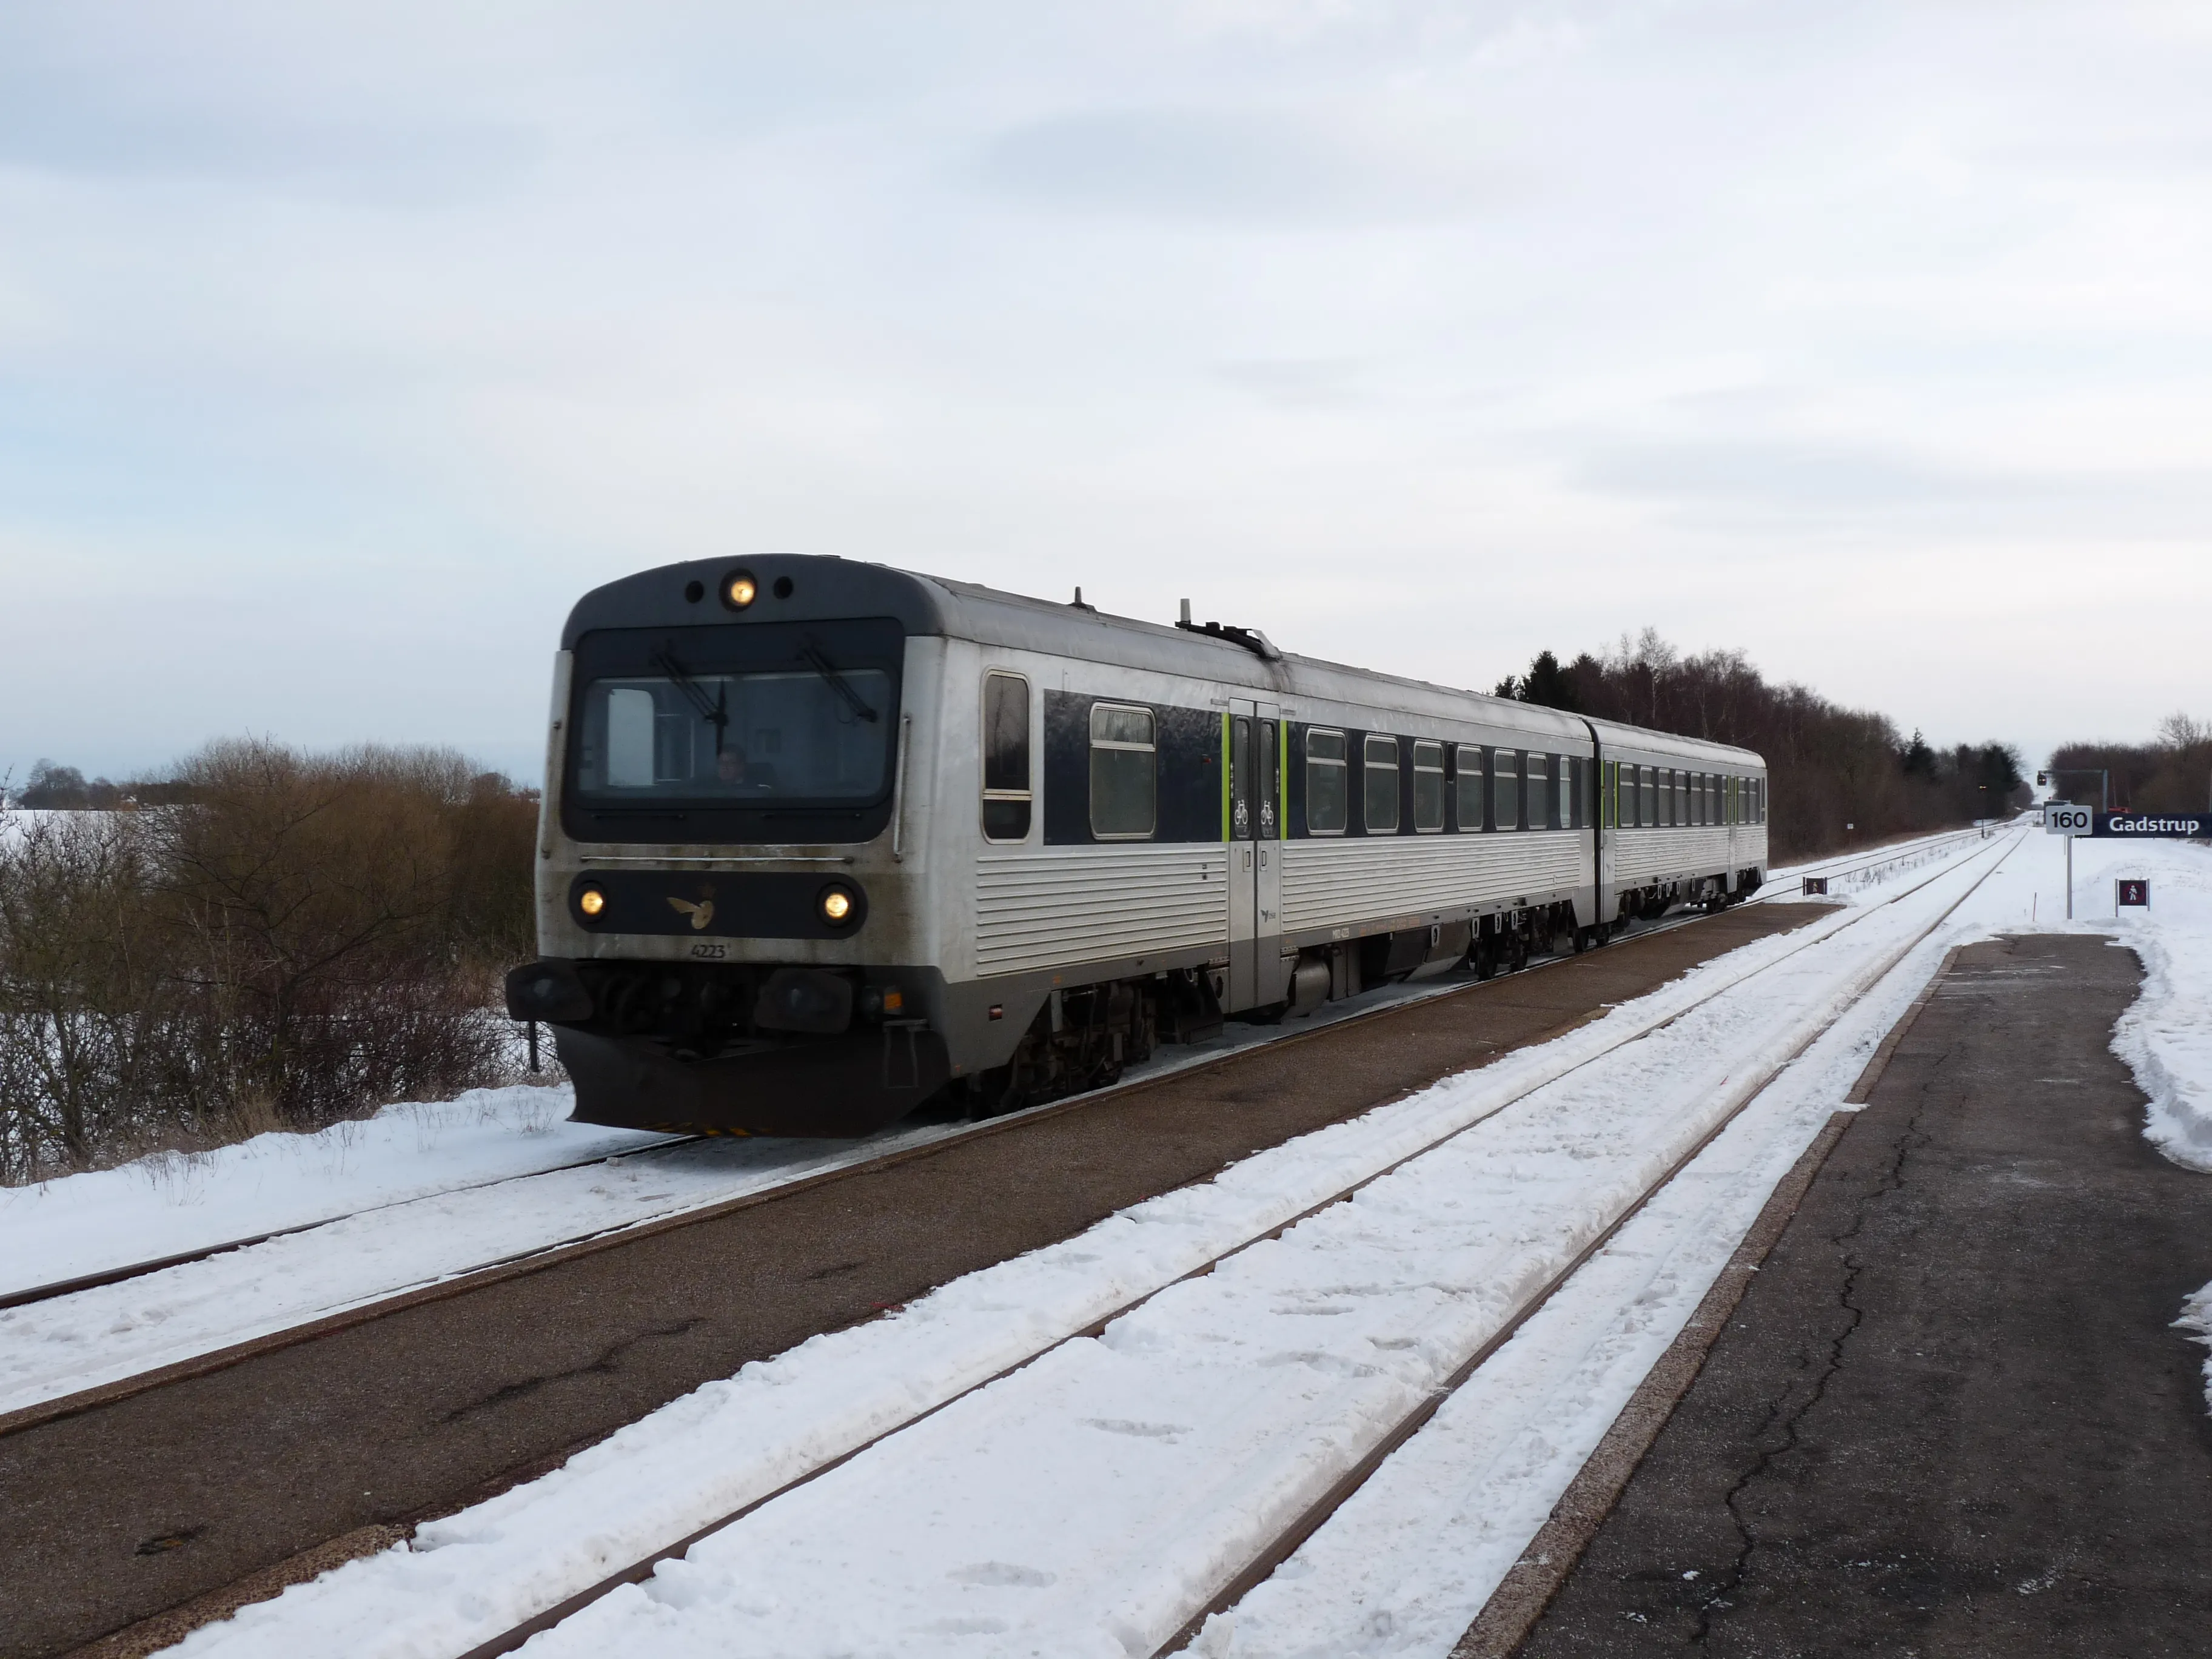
{"points": [[2166, 1038], [1093, 1499], [174, 1202]]}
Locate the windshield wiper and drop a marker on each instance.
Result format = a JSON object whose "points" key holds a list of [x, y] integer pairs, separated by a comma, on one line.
{"points": [[811, 654], [715, 713]]}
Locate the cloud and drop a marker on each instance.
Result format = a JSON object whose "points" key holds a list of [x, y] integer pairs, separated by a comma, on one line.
{"points": [[1260, 165]]}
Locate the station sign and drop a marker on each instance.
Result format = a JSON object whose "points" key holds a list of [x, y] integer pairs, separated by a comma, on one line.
{"points": [[2060, 819], [2149, 826]]}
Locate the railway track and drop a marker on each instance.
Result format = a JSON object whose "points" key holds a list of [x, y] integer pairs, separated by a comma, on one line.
{"points": [[319, 1422], [1783, 887], [61, 1287], [1285, 1542], [172, 1486]]}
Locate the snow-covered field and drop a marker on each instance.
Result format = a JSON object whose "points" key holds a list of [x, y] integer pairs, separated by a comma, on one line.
{"points": [[1096, 1498]]}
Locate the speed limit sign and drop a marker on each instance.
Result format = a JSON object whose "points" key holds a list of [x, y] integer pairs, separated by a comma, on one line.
{"points": [[2060, 819]]}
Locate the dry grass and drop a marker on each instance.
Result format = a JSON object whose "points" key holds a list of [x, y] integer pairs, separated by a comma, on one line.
{"points": [[299, 940]]}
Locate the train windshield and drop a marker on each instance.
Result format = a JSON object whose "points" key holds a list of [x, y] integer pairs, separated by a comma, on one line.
{"points": [[677, 722]]}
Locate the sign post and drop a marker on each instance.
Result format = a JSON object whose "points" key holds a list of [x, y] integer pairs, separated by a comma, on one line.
{"points": [[2061, 818]]}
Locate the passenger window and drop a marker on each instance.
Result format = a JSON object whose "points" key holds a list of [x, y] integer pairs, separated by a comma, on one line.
{"points": [[1577, 771], [1540, 792], [1241, 790], [1468, 761], [1327, 793], [1124, 778], [1667, 797], [1506, 788], [1380, 798], [1006, 796], [1428, 787], [1647, 807]]}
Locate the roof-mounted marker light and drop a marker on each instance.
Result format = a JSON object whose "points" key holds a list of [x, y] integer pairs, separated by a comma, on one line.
{"points": [[739, 589]]}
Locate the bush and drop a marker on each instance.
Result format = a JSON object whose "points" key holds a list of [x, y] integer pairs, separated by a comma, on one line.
{"points": [[297, 940], [2173, 773]]}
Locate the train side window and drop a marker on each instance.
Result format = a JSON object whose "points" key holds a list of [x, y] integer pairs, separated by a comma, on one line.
{"points": [[1647, 812], [1577, 792], [1006, 799], [1697, 799], [1665, 777], [1379, 797], [1681, 798], [1124, 773], [1506, 788], [1428, 787], [1326, 790], [1713, 798], [1537, 782], [1467, 761]]}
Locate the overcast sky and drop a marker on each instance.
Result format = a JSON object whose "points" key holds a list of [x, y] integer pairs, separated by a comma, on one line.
{"points": [[342, 347]]}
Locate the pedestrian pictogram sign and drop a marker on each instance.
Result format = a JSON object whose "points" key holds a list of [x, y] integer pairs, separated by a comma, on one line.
{"points": [[2132, 892]]}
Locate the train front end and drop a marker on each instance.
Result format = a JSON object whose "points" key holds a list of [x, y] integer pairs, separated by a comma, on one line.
{"points": [[731, 924]]}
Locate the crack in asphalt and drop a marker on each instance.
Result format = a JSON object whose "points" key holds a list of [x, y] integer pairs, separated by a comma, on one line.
{"points": [[1729, 1584]]}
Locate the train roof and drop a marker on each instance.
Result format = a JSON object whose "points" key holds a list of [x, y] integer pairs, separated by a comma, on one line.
{"points": [[817, 589]]}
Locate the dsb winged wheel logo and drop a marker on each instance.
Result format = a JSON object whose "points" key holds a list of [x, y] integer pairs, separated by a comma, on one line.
{"points": [[700, 914]]}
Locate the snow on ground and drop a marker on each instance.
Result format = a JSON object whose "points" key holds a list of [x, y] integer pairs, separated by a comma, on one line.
{"points": [[2167, 1037], [61, 1345], [1090, 1501], [171, 1203]]}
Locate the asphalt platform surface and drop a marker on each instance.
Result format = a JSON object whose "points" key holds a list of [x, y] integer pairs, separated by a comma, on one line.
{"points": [[124, 1511], [1950, 1416]]}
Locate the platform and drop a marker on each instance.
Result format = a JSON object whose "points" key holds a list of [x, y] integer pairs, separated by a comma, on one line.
{"points": [[1951, 1415]]}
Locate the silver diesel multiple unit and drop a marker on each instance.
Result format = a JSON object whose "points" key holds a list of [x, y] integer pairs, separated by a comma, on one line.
{"points": [[822, 839]]}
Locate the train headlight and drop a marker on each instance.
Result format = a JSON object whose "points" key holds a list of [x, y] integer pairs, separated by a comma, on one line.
{"points": [[592, 900], [836, 905], [739, 589]]}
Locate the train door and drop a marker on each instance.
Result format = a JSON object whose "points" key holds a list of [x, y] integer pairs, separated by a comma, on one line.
{"points": [[1255, 855]]}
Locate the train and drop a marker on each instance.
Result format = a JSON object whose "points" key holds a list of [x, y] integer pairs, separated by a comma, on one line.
{"points": [[822, 840]]}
